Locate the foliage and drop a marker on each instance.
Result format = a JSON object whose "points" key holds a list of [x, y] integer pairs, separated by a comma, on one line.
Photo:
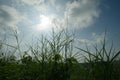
{"points": [[53, 59]]}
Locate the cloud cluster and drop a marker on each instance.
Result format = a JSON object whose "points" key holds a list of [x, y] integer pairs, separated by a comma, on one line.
{"points": [[39, 5], [75, 13], [81, 13], [10, 18], [96, 39]]}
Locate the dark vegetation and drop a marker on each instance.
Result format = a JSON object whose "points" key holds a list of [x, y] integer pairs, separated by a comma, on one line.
{"points": [[56, 58]]}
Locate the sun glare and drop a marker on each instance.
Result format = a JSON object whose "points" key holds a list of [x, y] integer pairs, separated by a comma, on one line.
{"points": [[45, 23]]}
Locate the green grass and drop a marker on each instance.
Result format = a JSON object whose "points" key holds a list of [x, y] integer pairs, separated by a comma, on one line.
{"points": [[54, 58]]}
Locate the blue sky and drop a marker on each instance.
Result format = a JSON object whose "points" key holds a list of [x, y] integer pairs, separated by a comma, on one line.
{"points": [[88, 18]]}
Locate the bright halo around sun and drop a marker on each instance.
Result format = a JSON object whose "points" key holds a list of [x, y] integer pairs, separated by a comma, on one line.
{"points": [[45, 23]]}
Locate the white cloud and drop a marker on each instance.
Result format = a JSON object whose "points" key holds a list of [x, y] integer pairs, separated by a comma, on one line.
{"points": [[52, 2], [46, 23], [96, 39], [81, 13], [77, 13], [10, 18], [39, 5], [33, 2]]}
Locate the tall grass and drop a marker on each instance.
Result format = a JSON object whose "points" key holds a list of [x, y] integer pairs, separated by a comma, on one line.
{"points": [[54, 58], [102, 62]]}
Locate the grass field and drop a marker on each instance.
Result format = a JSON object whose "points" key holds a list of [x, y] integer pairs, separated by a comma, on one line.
{"points": [[55, 59]]}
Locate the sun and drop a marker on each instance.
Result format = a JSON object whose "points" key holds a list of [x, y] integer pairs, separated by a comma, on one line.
{"points": [[45, 23]]}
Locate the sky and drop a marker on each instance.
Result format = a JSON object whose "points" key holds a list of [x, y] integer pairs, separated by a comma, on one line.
{"points": [[89, 19]]}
